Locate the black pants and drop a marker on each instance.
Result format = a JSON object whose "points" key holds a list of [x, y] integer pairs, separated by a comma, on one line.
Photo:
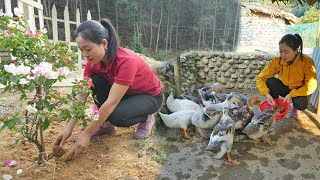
{"points": [[132, 109], [277, 88]]}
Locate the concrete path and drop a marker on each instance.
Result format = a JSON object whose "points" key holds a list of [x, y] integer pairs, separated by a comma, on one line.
{"points": [[294, 154]]}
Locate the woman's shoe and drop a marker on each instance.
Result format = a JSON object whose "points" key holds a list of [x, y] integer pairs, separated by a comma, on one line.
{"points": [[144, 128], [295, 113]]}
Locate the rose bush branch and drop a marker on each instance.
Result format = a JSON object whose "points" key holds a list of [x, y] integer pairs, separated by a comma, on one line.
{"points": [[35, 65]]}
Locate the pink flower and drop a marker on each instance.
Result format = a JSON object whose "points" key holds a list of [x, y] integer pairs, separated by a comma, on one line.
{"points": [[95, 108], [7, 32], [1, 12], [31, 34], [57, 102]]}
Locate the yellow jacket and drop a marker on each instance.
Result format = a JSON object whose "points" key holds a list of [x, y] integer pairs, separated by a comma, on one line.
{"points": [[300, 76]]}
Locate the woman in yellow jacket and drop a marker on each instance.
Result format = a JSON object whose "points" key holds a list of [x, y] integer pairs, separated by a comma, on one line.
{"points": [[296, 75]]}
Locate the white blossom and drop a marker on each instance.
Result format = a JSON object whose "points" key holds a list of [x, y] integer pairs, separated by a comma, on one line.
{"points": [[44, 31], [63, 71], [31, 109], [13, 58], [23, 81], [23, 70], [2, 86], [18, 12], [53, 75], [11, 68], [88, 112]]}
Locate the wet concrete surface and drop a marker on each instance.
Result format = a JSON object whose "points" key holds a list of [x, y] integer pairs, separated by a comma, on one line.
{"points": [[293, 154]]}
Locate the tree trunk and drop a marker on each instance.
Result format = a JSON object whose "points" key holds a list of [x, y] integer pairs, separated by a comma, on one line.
{"points": [[177, 28], [159, 28], [214, 27], [117, 15], [235, 28], [200, 25], [225, 27], [151, 25], [168, 25], [99, 9]]}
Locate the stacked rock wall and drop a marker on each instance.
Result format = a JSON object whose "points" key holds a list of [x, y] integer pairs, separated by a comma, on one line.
{"points": [[200, 68]]}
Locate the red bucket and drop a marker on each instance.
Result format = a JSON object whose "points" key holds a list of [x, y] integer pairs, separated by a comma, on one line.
{"points": [[265, 105]]}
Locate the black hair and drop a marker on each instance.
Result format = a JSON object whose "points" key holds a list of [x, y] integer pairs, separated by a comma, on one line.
{"points": [[95, 32], [294, 41]]}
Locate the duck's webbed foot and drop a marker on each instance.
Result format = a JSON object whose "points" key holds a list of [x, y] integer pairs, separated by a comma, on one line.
{"points": [[233, 162], [266, 139], [185, 134]]}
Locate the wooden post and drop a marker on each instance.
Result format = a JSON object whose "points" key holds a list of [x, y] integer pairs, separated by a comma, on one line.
{"points": [[7, 4], [40, 13], [67, 25], [79, 53], [54, 24], [32, 22], [89, 15], [177, 76]]}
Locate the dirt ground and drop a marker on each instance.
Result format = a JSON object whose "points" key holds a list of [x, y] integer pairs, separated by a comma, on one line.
{"points": [[294, 153]]}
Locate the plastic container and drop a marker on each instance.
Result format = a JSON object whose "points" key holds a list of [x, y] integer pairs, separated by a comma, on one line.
{"points": [[265, 105]]}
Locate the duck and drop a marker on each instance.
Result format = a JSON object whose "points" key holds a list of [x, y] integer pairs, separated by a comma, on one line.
{"points": [[175, 105], [221, 138], [209, 97], [214, 109], [201, 120], [261, 123], [243, 115], [180, 119]]}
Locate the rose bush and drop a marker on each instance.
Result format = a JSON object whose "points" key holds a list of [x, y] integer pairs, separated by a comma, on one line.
{"points": [[34, 66]]}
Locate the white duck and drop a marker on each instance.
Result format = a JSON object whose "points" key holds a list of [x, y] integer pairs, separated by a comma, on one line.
{"points": [[201, 120], [261, 123], [221, 138], [180, 119], [175, 105]]}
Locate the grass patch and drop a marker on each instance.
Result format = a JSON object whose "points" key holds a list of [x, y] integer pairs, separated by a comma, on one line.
{"points": [[141, 143], [159, 155]]}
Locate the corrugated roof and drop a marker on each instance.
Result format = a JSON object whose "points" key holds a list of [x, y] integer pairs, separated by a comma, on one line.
{"points": [[271, 11], [316, 58]]}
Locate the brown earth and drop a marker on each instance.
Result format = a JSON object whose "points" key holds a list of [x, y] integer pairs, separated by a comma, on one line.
{"points": [[294, 153]]}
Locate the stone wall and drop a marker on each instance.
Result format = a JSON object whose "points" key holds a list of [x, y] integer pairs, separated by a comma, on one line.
{"points": [[200, 68], [258, 31]]}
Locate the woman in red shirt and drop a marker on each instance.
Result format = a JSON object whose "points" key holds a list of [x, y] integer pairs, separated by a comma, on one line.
{"points": [[126, 89]]}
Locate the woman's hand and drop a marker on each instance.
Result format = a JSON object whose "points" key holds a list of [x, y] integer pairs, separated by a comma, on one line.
{"points": [[62, 137], [270, 100], [287, 98], [80, 145]]}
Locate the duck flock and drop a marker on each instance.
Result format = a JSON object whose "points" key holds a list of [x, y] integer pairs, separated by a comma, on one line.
{"points": [[218, 116]]}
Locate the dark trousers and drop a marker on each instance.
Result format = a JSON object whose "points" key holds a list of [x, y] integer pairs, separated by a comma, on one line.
{"points": [[132, 109], [277, 88]]}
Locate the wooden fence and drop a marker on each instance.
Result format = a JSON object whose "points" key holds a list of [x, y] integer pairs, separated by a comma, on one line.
{"points": [[29, 6]]}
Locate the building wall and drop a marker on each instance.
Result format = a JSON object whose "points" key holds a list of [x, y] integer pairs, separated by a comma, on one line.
{"points": [[260, 32]]}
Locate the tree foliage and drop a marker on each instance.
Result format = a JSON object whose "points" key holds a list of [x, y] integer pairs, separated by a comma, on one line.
{"points": [[312, 15], [185, 24]]}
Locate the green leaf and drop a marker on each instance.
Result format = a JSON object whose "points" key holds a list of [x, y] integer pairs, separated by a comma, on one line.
{"points": [[45, 124], [14, 79], [51, 107], [13, 122], [31, 86], [60, 117]]}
